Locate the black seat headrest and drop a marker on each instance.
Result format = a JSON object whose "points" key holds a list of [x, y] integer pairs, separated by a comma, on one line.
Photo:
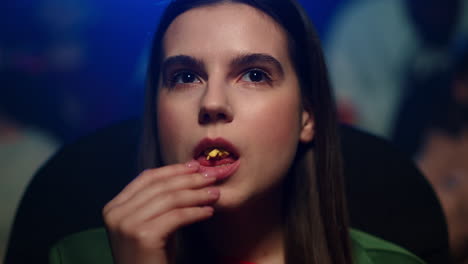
{"points": [[387, 195]]}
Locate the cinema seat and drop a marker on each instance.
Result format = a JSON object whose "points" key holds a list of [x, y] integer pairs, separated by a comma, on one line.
{"points": [[387, 195]]}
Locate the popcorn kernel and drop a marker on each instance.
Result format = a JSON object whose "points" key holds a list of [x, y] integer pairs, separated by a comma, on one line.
{"points": [[216, 153]]}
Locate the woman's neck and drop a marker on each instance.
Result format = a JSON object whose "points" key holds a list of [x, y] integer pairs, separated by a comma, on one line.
{"points": [[253, 233]]}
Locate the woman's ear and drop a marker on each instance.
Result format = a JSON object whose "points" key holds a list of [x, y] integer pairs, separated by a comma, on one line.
{"points": [[307, 127]]}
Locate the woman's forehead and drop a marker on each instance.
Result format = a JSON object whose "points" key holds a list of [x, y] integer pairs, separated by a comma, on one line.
{"points": [[224, 30]]}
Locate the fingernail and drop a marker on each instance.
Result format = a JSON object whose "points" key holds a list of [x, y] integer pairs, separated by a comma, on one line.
{"points": [[213, 192], [209, 209], [192, 164], [209, 174]]}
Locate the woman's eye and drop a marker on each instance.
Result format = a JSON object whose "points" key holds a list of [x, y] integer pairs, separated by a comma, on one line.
{"points": [[185, 77], [255, 76]]}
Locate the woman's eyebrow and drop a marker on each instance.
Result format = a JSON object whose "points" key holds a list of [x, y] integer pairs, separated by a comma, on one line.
{"points": [[255, 58], [182, 60]]}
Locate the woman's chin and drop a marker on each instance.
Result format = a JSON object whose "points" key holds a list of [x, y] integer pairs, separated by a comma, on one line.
{"points": [[229, 201]]}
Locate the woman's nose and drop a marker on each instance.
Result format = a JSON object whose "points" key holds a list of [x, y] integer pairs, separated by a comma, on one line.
{"points": [[215, 106]]}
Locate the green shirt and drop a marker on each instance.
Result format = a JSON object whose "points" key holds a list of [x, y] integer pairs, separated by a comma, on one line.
{"points": [[92, 247]]}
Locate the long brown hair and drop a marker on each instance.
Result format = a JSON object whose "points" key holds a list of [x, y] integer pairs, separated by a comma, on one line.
{"points": [[315, 214]]}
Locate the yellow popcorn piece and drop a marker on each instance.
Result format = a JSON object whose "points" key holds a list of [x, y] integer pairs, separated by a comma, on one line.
{"points": [[216, 153]]}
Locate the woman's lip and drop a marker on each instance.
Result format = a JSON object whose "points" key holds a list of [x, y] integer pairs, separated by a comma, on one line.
{"points": [[207, 143], [221, 172]]}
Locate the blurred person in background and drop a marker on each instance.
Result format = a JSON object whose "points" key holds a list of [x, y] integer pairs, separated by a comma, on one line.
{"points": [[375, 47], [43, 46], [67, 67], [36, 114], [432, 126], [85, 53], [24, 145]]}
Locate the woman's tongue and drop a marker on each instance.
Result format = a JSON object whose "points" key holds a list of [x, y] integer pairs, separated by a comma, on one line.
{"points": [[215, 161]]}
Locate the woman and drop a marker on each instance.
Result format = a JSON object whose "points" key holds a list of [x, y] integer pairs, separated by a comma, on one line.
{"points": [[240, 148]]}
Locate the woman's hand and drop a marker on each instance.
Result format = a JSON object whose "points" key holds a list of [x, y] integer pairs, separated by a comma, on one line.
{"points": [[141, 218]]}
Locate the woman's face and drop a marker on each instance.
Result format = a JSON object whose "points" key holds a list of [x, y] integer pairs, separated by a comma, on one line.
{"points": [[227, 77]]}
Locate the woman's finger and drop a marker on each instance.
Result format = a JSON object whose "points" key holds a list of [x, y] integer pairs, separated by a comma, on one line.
{"points": [[157, 189], [148, 176], [154, 234], [170, 184], [161, 204]]}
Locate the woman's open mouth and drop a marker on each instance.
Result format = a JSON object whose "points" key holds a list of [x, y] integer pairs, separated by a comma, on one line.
{"points": [[217, 155]]}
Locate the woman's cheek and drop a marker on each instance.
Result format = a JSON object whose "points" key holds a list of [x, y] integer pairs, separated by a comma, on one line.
{"points": [[277, 127], [170, 130]]}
